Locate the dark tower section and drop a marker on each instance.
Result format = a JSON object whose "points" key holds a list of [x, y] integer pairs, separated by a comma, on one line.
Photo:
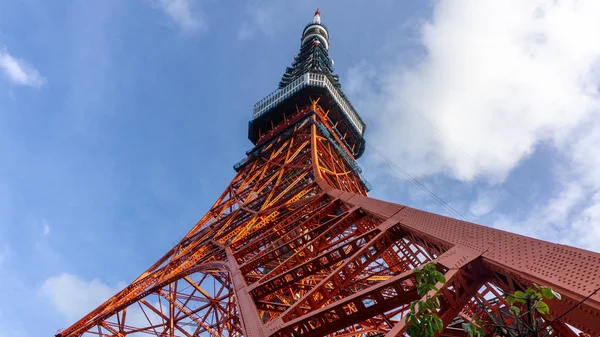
{"points": [[313, 56], [310, 77]]}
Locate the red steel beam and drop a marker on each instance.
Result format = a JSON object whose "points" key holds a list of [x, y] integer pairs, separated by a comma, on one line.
{"points": [[573, 272]]}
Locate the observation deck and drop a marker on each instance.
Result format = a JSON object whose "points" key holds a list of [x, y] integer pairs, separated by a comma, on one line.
{"points": [[271, 109]]}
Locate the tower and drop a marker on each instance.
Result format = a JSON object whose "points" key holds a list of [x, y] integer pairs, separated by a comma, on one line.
{"points": [[295, 247]]}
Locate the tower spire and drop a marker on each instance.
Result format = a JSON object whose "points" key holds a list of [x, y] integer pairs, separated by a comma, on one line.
{"points": [[313, 55], [317, 17]]}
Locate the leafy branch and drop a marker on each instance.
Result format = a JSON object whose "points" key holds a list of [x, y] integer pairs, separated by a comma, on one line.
{"points": [[422, 319], [520, 320], [523, 307]]}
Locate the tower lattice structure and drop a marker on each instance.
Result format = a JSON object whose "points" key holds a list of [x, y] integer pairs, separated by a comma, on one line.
{"points": [[295, 247]]}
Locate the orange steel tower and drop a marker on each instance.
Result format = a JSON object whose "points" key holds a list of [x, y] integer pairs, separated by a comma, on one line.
{"points": [[295, 247]]}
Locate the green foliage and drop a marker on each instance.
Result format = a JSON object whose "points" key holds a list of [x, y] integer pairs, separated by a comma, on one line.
{"points": [[532, 298], [522, 307], [515, 310], [475, 329], [422, 319], [542, 308]]}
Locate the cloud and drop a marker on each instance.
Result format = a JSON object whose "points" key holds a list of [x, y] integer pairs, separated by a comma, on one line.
{"points": [[483, 204], [496, 79], [45, 227], [73, 296], [185, 14], [583, 152], [586, 228], [489, 83], [19, 72], [572, 223], [558, 208], [360, 80], [262, 18]]}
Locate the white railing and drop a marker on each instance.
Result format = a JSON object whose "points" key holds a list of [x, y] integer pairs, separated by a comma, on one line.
{"points": [[279, 95], [308, 79]]}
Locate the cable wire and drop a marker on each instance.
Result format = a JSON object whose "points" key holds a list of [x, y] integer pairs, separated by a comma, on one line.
{"points": [[570, 309], [457, 150], [416, 182]]}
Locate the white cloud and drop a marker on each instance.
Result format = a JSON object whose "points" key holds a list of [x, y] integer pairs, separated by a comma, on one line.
{"points": [[558, 208], [262, 18], [498, 78], [586, 228], [74, 297], [185, 14], [572, 223], [360, 79], [19, 72], [45, 227], [483, 204], [585, 155]]}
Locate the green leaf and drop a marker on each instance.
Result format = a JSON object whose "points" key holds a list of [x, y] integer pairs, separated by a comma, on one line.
{"points": [[424, 288], [510, 300], [412, 330], [440, 277], [422, 319], [430, 331], [547, 293], [515, 310], [469, 329], [438, 323], [413, 320], [520, 296], [542, 308]]}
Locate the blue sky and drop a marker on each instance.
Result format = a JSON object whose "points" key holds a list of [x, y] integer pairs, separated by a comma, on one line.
{"points": [[120, 122]]}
